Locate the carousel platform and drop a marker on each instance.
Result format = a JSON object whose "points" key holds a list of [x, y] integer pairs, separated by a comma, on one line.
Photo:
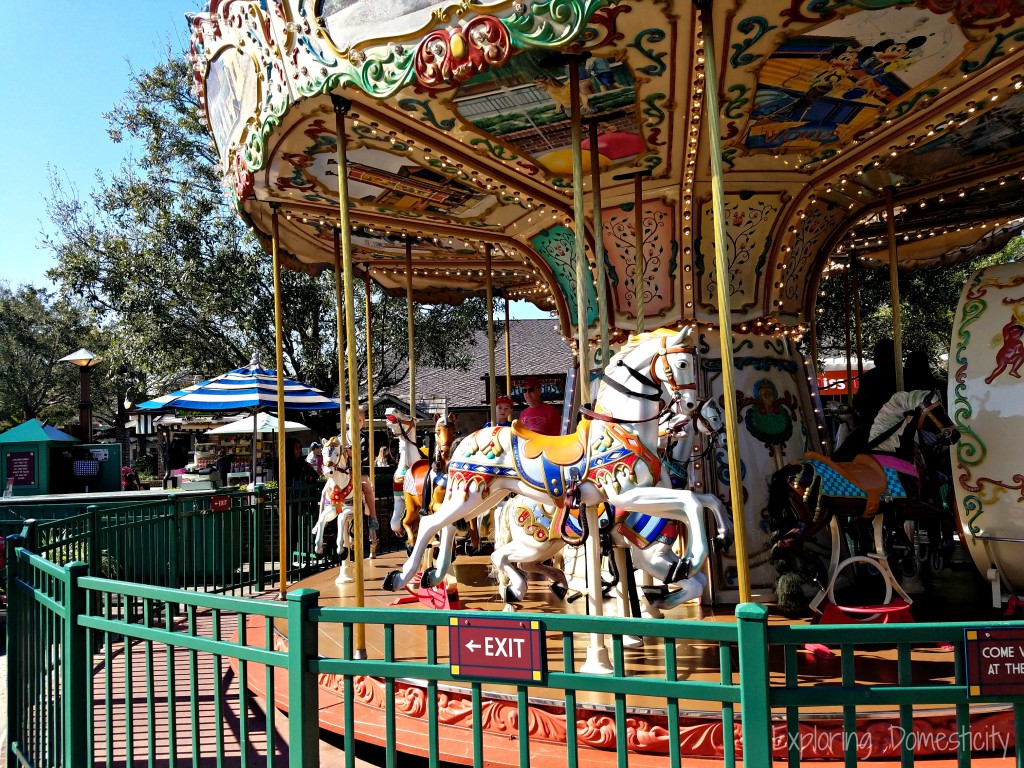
{"points": [[956, 595]]}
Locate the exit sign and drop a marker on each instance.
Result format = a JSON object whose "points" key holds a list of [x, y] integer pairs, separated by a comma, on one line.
{"points": [[497, 649], [220, 503], [995, 661]]}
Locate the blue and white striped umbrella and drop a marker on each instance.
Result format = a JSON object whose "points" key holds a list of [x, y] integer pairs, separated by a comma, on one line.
{"points": [[248, 388]]}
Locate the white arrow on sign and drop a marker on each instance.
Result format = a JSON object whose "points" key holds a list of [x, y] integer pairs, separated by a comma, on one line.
{"points": [[472, 645]]}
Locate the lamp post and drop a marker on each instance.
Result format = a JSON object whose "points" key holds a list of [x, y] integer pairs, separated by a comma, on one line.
{"points": [[85, 360]]}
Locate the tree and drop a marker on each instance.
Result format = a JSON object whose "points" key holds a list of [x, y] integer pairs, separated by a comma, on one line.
{"points": [[157, 250], [928, 302], [36, 330]]}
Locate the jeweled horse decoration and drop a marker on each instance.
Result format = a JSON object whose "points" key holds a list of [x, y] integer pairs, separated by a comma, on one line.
{"points": [[807, 494], [424, 483], [338, 471], [609, 459], [402, 427], [525, 538]]}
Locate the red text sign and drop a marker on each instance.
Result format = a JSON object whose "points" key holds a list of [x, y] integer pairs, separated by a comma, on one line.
{"points": [[498, 649], [220, 503], [995, 662]]}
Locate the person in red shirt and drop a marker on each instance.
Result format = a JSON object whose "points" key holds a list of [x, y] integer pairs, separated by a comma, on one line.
{"points": [[539, 416]]}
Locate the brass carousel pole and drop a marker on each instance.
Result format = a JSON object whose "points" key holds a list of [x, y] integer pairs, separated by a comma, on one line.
{"points": [[859, 337], [599, 274], [282, 485], [894, 282], [489, 284], [846, 331], [410, 330], [641, 260], [341, 108], [369, 382], [598, 660], [508, 350], [724, 314], [339, 323]]}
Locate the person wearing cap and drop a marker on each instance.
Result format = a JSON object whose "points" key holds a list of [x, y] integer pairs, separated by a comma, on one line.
{"points": [[539, 416], [315, 458], [503, 407]]}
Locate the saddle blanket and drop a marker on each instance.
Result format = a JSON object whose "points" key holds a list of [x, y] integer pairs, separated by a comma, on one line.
{"points": [[834, 484]]}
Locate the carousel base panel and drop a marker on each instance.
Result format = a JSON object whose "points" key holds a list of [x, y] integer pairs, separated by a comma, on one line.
{"points": [[700, 725]]}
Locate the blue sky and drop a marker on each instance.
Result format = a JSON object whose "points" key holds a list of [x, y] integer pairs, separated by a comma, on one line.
{"points": [[66, 64]]}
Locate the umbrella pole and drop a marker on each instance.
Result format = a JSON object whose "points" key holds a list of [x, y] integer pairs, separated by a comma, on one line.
{"points": [[252, 451], [724, 311], [341, 108], [282, 485]]}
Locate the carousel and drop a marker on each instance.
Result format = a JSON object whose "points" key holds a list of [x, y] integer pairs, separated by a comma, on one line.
{"points": [[674, 180]]}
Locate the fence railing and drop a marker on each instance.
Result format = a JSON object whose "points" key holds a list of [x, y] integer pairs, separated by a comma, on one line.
{"points": [[104, 672]]}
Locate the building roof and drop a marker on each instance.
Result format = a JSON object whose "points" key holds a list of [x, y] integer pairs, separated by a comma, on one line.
{"points": [[537, 349], [34, 431]]}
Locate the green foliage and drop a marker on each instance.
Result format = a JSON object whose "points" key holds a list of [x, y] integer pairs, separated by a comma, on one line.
{"points": [[158, 252], [37, 328], [928, 302]]}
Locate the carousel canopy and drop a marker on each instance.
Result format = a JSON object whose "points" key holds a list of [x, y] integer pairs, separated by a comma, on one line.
{"points": [[458, 140]]}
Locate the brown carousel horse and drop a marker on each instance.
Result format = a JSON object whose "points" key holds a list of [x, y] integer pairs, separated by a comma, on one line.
{"points": [[807, 494], [424, 485]]}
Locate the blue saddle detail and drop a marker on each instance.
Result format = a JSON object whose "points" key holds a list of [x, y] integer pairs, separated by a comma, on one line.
{"points": [[834, 484], [542, 473]]}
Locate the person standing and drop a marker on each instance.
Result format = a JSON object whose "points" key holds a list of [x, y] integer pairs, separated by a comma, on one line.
{"points": [[539, 416]]}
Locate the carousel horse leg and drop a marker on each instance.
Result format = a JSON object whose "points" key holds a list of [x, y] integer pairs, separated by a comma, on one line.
{"points": [[344, 569]]}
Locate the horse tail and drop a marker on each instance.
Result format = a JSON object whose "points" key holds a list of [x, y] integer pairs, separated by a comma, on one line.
{"points": [[502, 536]]}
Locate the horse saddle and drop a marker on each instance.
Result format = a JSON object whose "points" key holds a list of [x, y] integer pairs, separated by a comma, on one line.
{"points": [[562, 450], [864, 473]]}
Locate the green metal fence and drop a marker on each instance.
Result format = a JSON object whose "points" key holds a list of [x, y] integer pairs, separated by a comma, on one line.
{"points": [[106, 672]]}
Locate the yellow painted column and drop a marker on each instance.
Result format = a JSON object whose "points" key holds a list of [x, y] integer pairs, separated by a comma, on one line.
{"points": [[369, 381], [410, 318], [339, 322], [282, 460], [724, 311], [599, 274], [508, 350], [341, 108], [489, 286]]}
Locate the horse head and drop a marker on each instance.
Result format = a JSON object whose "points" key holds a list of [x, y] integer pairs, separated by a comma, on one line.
{"points": [[337, 460], [400, 424], [907, 414], [445, 430]]}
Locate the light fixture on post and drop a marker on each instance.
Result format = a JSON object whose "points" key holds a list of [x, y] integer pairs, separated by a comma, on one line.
{"points": [[85, 360]]}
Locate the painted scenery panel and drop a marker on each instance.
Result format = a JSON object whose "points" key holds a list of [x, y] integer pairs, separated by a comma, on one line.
{"points": [[231, 91], [525, 105], [820, 89]]}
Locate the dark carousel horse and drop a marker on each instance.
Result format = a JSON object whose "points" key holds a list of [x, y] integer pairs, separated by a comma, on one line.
{"points": [[884, 484]]}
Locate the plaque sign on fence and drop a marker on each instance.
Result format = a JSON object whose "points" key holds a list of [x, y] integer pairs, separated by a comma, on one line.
{"points": [[995, 661], [497, 649]]}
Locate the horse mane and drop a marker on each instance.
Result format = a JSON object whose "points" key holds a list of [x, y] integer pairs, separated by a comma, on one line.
{"points": [[892, 413]]}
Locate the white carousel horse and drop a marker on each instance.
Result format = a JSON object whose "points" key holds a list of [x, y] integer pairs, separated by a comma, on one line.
{"points": [[609, 459], [338, 471], [525, 539], [425, 481], [404, 428]]}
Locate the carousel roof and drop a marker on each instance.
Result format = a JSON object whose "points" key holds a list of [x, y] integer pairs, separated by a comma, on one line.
{"points": [[458, 139]]}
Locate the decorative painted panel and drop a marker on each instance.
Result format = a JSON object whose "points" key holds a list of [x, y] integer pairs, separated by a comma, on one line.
{"points": [[661, 250], [557, 246], [816, 227], [749, 220], [776, 424], [986, 397]]}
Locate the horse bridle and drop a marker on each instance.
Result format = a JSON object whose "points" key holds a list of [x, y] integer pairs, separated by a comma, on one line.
{"points": [[654, 381], [402, 427]]}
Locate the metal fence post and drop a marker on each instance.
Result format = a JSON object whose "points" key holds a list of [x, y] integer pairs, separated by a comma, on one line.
{"points": [[303, 698], [754, 685], [259, 538], [174, 538], [28, 533], [75, 669], [94, 540], [15, 682]]}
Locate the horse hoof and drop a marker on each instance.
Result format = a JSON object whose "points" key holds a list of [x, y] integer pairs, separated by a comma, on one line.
{"points": [[721, 542], [510, 596], [559, 591], [429, 579], [679, 572], [391, 581], [408, 550], [343, 553]]}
